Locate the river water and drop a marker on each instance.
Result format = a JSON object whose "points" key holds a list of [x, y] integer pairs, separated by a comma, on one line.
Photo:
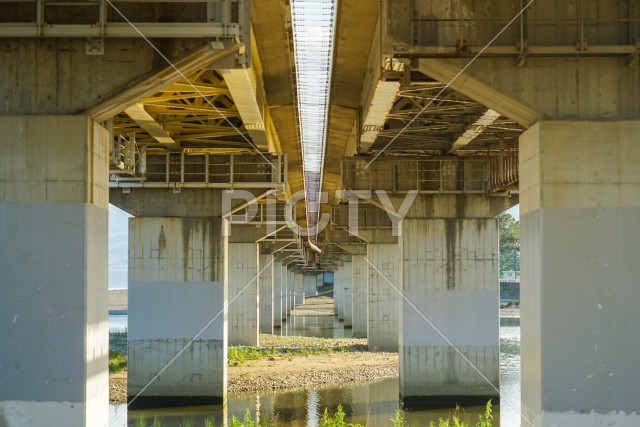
{"points": [[371, 404]]}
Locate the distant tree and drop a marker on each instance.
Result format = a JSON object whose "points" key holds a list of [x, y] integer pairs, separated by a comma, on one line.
{"points": [[509, 230]]}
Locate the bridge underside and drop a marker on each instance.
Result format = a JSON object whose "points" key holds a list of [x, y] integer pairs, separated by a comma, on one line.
{"points": [[441, 116]]}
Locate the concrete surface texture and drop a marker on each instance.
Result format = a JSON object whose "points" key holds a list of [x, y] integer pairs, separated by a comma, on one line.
{"points": [[177, 315], [118, 299], [347, 293], [310, 289], [298, 288], [241, 269], [278, 298], [449, 316], [53, 231], [384, 300], [337, 292], [266, 292], [359, 301], [577, 358]]}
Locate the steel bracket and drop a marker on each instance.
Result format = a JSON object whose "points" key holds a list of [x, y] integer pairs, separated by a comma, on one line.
{"points": [[94, 46]]}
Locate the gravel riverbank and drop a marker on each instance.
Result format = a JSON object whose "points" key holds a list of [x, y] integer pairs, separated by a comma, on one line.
{"points": [[300, 362], [341, 361], [297, 363]]}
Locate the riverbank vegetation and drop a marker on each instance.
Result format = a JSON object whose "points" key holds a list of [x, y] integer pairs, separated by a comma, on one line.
{"points": [[336, 420]]}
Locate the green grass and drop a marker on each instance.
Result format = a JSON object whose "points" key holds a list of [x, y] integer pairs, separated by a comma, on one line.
{"points": [[237, 355], [117, 361], [453, 420], [336, 420]]}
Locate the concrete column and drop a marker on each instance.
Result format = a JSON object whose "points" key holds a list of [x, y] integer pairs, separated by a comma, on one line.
{"points": [[176, 294], [266, 297], [341, 281], [359, 303], [276, 271], [347, 293], [292, 294], [450, 276], [310, 289], [336, 292], [580, 205], [241, 268], [284, 276], [384, 302], [53, 259], [298, 286]]}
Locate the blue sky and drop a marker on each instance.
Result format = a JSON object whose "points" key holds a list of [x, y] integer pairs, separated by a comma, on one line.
{"points": [[119, 245]]}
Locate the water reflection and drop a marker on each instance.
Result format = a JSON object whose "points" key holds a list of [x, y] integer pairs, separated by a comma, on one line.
{"points": [[314, 326], [370, 404]]}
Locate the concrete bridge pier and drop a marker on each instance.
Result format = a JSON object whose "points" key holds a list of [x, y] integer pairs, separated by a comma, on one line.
{"points": [[53, 258], [177, 320], [284, 277], [310, 289], [298, 288], [359, 303], [337, 293], [291, 288], [449, 323], [347, 293], [383, 300], [278, 291], [241, 276], [266, 290], [580, 205]]}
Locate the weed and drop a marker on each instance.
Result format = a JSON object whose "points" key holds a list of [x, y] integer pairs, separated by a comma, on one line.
{"points": [[484, 420], [337, 420], [117, 361], [398, 420], [141, 422]]}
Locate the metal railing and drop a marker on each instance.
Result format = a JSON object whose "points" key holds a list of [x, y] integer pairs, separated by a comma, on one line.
{"points": [[504, 169], [425, 175], [98, 18], [165, 170]]}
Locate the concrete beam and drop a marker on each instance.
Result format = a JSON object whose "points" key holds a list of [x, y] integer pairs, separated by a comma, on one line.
{"points": [[242, 85], [384, 96], [474, 130], [479, 91], [148, 123]]}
